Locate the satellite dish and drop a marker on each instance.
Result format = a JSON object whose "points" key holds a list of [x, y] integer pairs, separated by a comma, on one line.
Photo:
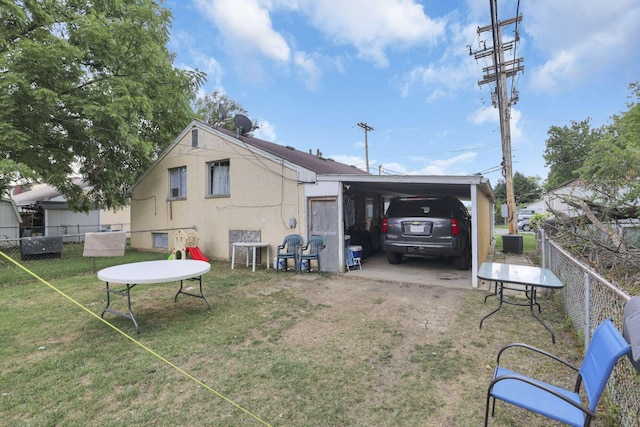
{"points": [[243, 124], [222, 113]]}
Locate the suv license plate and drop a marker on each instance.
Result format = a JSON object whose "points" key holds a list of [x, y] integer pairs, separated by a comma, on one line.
{"points": [[416, 228]]}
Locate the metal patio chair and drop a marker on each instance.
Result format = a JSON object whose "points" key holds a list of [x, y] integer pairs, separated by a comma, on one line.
{"points": [[314, 246], [606, 347], [289, 249]]}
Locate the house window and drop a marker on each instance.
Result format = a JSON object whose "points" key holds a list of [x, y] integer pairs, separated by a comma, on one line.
{"points": [[219, 184], [194, 138], [160, 240], [178, 183]]}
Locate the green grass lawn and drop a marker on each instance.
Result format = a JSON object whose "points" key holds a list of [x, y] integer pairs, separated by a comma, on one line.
{"points": [[234, 366]]}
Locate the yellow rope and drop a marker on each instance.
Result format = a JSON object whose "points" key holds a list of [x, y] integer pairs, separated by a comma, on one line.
{"points": [[177, 368]]}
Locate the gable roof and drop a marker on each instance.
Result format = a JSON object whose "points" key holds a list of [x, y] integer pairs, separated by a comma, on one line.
{"points": [[44, 192], [312, 162], [305, 161]]}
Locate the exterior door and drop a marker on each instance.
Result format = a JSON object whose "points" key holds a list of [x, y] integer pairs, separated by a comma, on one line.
{"points": [[323, 221]]}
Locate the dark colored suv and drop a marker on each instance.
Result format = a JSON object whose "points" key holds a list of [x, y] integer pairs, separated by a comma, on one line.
{"points": [[438, 226]]}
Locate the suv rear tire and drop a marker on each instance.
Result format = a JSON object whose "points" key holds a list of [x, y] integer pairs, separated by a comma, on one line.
{"points": [[394, 258], [463, 262]]}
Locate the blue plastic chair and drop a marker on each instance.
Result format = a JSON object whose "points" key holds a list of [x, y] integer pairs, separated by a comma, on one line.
{"points": [[314, 246], [289, 249], [606, 347]]}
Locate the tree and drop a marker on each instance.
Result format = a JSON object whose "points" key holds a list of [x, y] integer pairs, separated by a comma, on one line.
{"points": [[566, 150], [611, 171], [88, 87], [525, 188], [208, 109]]}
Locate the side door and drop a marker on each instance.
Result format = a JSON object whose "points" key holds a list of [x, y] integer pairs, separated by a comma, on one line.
{"points": [[323, 221]]}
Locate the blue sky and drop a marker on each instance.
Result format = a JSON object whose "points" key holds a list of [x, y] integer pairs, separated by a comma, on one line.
{"points": [[307, 71]]}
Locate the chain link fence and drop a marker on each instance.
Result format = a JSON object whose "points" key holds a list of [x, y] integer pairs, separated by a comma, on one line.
{"points": [[57, 254], [589, 299]]}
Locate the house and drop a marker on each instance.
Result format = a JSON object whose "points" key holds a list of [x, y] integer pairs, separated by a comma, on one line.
{"points": [[9, 221], [45, 212], [232, 187]]}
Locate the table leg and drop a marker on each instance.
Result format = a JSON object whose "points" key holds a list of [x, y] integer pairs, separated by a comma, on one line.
{"points": [[500, 293], [495, 292], [183, 292], [233, 255], [247, 258], [125, 293], [254, 260], [268, 256], [534, 314]]}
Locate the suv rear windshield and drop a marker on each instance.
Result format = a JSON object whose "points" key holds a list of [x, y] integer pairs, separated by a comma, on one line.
{"points": [[423, 207]]}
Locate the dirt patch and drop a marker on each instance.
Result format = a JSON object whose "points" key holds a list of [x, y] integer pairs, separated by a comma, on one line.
{"points": [[414, 348], [413, 310]]}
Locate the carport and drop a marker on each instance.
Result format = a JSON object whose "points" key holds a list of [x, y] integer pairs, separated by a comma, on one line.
{"points": [[359, 204]]}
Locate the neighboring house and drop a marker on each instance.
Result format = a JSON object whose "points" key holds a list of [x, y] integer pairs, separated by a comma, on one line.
{"points": [[231, 187], [9, 220], [45, 212], [554, 199], [537, 207]]}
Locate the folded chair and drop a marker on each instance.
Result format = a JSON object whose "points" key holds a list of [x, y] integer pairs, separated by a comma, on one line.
{"points": [[314, 246], [289, 249], [352, 261], [606, 347]]}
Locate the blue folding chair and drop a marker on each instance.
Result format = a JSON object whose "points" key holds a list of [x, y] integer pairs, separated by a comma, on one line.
{"points": [[606, 347]]}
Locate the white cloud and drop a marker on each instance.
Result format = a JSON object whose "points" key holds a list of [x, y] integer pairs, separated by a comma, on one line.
{"points": [[372, 26], [452, 166], [308, 69], [581, 39], [485, 115], [209, 65], [454, 71], [246, 27], [356, 161], [265, 131]]}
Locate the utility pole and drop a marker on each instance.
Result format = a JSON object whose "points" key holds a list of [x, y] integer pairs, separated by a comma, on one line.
{"points": [[366, 128], [498, 73]]}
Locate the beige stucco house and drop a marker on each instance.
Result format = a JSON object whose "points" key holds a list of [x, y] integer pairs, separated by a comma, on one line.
{"points": [[231, 187]]}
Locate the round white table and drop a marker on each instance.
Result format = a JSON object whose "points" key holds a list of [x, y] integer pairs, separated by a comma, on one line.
{"points": [[146, 272]]}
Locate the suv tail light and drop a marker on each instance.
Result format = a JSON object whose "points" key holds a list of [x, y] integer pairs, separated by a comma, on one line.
{"points": [[455, 229], [384, 225]]}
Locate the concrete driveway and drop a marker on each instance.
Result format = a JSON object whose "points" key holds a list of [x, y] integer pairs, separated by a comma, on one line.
{"points": [[416, 270]]}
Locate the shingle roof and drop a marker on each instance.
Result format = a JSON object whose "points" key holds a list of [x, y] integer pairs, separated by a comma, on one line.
{"points": [[312, 162]]}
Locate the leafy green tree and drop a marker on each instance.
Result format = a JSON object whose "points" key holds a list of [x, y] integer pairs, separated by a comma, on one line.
{"points": [[612, 169], [208, 109], [88, 87], [566, 150], [525, 188]]}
